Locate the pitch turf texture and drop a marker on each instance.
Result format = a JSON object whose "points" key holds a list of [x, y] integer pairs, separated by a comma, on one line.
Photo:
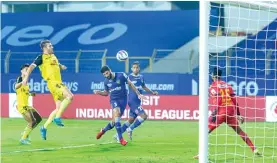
{"points": [[154, 141]]}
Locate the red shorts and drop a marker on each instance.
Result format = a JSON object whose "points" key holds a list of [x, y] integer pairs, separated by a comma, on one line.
{"points": [[224, 114]]}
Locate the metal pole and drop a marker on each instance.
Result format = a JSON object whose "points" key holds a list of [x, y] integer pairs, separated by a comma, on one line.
{"points": [[203, 80]]}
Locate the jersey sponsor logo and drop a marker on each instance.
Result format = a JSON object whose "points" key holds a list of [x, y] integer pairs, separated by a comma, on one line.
{"points": [[115, 89], [118, 81], [222, 85], [25, 36], [109, 85]]}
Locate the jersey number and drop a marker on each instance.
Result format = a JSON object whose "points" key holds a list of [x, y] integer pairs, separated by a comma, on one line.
{"points": [[225, 95]]}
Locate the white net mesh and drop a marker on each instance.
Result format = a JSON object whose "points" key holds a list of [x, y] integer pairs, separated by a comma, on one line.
{"points": [[242, 42]]}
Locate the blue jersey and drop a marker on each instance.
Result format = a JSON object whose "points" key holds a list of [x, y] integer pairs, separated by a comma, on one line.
{"points": [[117, 86], [138, 81]]}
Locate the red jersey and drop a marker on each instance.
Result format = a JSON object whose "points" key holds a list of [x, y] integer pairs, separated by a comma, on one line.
{"points": [[225, 103], [222, 94]]}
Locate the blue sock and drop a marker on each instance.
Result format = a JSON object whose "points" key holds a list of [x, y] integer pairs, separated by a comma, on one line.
{"points": [[109, 126], [138, 121], [125, 126], [118, 127]]}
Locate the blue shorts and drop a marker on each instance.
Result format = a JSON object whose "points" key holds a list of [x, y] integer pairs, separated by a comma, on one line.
{"points": [[121, 104], [135, 110]]}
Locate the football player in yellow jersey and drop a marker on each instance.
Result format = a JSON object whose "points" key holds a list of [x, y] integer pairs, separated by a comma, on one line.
{"points": [[50, 69], [28, 112]]}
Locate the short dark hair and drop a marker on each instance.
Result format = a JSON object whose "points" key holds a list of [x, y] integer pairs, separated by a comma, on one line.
{"points": [[136, 63], [43, 43], [104, 69], [25, 65], [217, 72]]}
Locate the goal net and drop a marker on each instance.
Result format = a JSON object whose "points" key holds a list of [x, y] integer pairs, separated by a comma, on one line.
{"points": [[242, 42]]}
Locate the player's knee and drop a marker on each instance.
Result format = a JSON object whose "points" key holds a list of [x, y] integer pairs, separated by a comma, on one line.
{"points": [[131, 120], [116, 112], [34, 124]]}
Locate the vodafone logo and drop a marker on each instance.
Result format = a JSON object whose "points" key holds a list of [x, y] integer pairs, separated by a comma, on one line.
{"points": [[273, 109]]}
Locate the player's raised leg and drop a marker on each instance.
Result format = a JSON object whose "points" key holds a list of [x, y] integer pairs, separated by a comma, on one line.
{"points": [[33, 118], [116, 119], [68, 97], [233, 123]]}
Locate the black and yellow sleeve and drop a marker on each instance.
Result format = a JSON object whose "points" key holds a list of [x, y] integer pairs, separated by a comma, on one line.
{"points": [[19, 79], [38, 60]]}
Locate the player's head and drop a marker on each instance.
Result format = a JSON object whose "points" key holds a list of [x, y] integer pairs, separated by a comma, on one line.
{"points": [[106, 71], [216, 74], [135, 67], [24, 69], [47, 47]]}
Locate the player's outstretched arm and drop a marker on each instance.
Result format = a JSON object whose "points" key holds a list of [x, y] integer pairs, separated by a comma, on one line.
{"points": [[135, 89], [149, 90], [28, 73], [102, 93], [62, 67]]}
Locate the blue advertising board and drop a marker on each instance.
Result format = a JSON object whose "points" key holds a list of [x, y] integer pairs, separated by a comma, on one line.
{"points": [[137, 32], [166, 84]]}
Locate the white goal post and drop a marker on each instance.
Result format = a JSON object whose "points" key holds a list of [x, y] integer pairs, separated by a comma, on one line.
{"points": [[240, 38]]}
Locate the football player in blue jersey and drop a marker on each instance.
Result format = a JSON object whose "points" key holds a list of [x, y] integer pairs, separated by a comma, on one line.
{"points": [[136, 115], [115, 86]]}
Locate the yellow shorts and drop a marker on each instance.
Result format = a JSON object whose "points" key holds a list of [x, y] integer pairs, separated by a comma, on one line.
{"points": [[56, 90], [24, 109]]}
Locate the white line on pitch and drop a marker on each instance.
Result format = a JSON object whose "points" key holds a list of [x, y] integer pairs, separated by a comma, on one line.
{"points": [[52, 149]]}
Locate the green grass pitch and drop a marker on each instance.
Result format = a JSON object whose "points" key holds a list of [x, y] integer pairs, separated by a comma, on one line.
{"points": [[154, 141]]}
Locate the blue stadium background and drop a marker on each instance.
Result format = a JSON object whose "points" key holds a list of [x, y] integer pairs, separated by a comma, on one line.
{"points": [[97, 34]]}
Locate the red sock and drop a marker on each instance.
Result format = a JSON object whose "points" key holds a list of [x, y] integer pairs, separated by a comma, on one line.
{"points": [[246, 139]]}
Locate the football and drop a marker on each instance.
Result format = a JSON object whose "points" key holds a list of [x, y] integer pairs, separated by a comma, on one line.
{"points": [[122, 55]]}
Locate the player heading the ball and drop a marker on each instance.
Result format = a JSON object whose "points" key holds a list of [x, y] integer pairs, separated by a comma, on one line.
{"points": [[115, 86], [137, 114]]}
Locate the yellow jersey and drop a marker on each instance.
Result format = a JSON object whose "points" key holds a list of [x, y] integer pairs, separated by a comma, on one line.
{"points": [[49, 67], [22, 94]]}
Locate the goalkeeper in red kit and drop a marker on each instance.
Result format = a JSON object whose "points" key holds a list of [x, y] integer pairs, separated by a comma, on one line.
{"points": [[227, 109]]}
